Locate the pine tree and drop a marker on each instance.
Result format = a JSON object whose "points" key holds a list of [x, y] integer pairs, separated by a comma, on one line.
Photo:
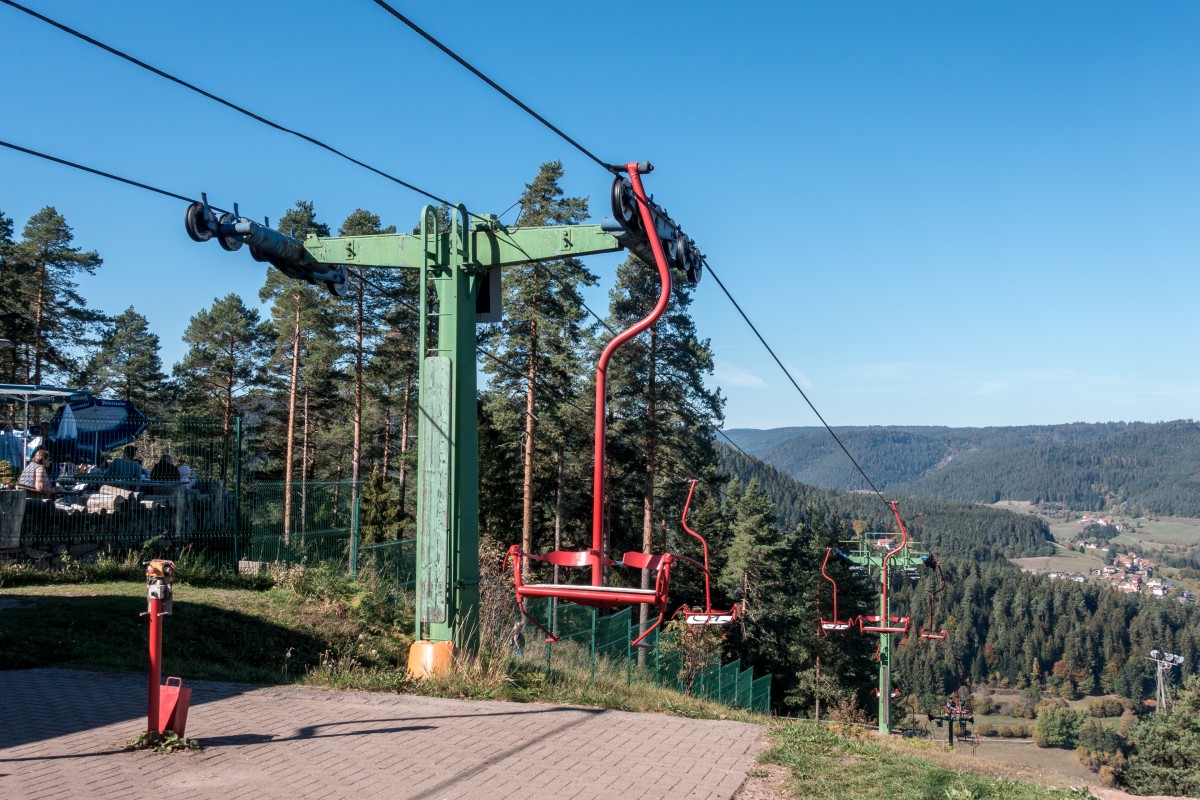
{"points": [[664, 417], [61, 323], [1167, 748], [127, 364], [301, 317], [15, 323], [364, 312], [535, 349], [228, 349]]}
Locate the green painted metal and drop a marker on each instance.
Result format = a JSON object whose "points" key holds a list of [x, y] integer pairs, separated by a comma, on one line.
{"points": [[433, 459], [452, 263], [488, 246], [864, 553], [237, 494]]}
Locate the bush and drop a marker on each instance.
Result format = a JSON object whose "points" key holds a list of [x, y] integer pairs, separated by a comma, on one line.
{"points": [[1106, 707], [1057, 727], [1013, 731], [1098, 737]]}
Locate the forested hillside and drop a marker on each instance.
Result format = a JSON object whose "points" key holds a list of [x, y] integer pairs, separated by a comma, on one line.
{"points": [[1132, 467], [949, 529], [1006, 627]]}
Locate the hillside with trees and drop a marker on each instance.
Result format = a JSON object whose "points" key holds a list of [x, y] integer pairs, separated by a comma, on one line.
{"points": [[1135, 468]]}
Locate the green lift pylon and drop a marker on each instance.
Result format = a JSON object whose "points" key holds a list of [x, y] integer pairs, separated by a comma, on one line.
{"points": [[460, 266], [864, 552], [455, 265]]}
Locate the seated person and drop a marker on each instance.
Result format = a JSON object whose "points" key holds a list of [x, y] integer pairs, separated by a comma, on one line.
{"points": [[125, 469], [165, 470], [35, 479], [185, 473]]}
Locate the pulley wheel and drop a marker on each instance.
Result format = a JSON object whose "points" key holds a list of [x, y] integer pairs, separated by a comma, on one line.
{"points": [[257, 255], [228, 242], [196, 224], [680, 252], [624, 206], [695, 269]]}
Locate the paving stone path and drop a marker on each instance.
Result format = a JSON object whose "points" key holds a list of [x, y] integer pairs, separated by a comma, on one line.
{"points": [[61, 733]]}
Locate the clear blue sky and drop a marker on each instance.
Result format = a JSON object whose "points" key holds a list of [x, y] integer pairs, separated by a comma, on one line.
{"points": [[936, 212]]}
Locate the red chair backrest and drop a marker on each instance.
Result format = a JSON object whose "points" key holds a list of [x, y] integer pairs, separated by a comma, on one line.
{"points": [[568, 558], [638, 560]]}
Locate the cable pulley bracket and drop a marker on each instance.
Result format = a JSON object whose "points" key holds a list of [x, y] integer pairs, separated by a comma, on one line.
{"points": [[627, 226], [267, 245]]}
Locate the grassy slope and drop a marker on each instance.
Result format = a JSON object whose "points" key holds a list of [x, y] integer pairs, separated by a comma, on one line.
{"points": [[850, 763], [335, 639]]}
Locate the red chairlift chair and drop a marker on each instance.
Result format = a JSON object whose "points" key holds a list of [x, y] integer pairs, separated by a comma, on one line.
{"points": [[890, 624], [637, 210], [932, 633], [708, 616], [834, 625]]}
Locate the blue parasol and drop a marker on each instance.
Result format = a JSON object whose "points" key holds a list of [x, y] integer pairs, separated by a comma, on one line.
{"points": [[102, 424]]}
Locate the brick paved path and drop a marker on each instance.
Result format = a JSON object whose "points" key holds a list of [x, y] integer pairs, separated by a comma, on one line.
{"points": [[61, 732]]}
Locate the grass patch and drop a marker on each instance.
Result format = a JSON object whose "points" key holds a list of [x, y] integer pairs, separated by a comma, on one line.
{"points": [[836, 763], [323, 628], [168, 742]]}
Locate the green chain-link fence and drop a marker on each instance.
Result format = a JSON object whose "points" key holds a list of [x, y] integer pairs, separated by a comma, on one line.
{"points": [[312, 524], [587, 638], [96, 510], [393, 562]]}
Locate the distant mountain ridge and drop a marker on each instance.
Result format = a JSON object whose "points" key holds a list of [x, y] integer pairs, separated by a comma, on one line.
{"points": [[1134, 467]]}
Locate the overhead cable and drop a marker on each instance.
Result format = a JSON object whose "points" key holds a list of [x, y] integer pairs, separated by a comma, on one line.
{"points": [[477, 73]]}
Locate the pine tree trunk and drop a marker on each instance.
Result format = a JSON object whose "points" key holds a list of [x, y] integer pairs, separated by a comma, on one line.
{"points": [[304, 471], [648, 489], [291, 429], [39, 308], [387, 442], [356, 448], [402, 477], [527, 478], [227, 409]]}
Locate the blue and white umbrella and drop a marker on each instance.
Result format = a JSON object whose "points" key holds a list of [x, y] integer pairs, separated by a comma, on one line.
{"points": [[101, 424]]}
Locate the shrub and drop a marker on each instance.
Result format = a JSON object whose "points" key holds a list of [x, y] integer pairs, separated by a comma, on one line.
{"points": [[1057, 727], [1106, 707]]}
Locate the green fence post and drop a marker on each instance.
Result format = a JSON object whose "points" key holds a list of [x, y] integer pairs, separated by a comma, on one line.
{"points": [[551, 610], [629, 651], [593, 658], [354, 541], [237, 495]]}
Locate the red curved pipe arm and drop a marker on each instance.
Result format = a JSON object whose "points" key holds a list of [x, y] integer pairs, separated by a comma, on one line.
{"points": [[664, 275], [703, 545], [828, 552], [901, 546]]}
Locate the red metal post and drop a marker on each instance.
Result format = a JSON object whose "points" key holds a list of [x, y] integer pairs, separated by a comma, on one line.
{"points": [[152, 715], [664, 297]]}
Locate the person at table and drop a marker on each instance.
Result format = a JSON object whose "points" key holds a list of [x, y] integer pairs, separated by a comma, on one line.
{"points": [[125, 468], [165, 469], [35, 478]]}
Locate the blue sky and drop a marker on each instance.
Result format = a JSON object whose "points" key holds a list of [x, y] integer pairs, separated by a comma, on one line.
{"points": [[936, 212]]}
